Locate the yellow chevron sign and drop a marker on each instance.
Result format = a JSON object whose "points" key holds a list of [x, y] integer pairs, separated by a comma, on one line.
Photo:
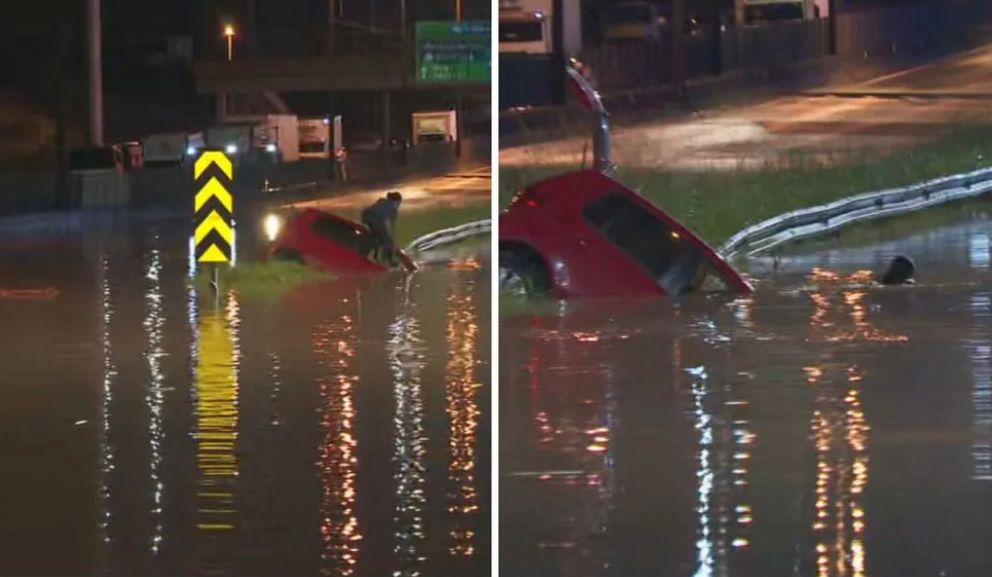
{"points": [[213, 207]]}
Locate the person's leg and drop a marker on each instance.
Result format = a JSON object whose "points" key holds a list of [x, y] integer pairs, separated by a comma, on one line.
{"points": [[383, 251]]}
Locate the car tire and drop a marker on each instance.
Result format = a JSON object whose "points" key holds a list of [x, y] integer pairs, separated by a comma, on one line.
{"points": [[288, 255], [523, 275]]}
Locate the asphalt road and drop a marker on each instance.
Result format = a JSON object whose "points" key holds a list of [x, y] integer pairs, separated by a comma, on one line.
{"points": [[467, 186], [827, 125]]}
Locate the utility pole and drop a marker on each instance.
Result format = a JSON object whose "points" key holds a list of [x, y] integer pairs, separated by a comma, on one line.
{"points": [[58, 63], [460, 106], [832, 26], [332, 15], [96, 72]]}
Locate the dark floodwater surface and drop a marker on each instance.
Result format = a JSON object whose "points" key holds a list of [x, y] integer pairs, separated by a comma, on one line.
{"points": [[340, 429], [824, 427]]}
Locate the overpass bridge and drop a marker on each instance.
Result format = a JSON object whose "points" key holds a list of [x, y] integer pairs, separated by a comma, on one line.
{"points": [[379, 76], [380, 72]]}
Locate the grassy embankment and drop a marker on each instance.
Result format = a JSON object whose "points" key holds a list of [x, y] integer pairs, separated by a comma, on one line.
{"points": [[718, 203]]}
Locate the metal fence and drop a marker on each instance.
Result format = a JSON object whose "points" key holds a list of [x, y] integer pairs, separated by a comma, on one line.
{"points": [[917, 31]]}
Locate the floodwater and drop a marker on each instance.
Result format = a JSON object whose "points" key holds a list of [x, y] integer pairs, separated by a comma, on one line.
{"points": [[339, 429], [823, 427]]}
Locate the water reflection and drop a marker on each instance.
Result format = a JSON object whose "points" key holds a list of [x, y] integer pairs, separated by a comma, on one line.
{"points": [[463, 420], [154, 396], [723, 450], [106, 464], [825, 426], [337, 464], [979, 350], [840, 437], [407, 360], [217, 391], [161, 429]]}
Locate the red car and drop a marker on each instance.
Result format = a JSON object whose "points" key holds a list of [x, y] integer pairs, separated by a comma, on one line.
{"points": [[323, 239], [584, 234]]}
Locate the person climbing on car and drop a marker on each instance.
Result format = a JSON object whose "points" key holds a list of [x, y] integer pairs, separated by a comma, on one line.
{"points": [[380, 217]]}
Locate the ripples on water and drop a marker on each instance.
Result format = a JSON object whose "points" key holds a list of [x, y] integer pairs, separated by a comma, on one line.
{"points": [[823, 427], [334, 431]]}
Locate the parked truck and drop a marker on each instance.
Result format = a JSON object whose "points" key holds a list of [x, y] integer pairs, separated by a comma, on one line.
{"points": [[529, 26], [432, 127], [272, 137], [171, 148], [315, 137]]}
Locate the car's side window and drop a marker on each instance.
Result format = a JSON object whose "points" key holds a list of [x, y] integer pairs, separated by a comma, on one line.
{"points": [[669, 259]]}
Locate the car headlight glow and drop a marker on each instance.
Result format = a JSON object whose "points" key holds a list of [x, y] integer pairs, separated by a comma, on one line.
{"points": [[273, 224], [270, 148], [231, 149], [191, 151]]}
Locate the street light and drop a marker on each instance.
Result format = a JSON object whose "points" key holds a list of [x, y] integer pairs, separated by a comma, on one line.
{"points": [[229, 34]]}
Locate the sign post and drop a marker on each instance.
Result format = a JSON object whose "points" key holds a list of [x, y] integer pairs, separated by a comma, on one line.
{"points": [[213, 210]]}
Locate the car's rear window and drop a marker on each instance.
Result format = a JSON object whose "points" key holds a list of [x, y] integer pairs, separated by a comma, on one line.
{"points": [[342, 232], [671, 260]]}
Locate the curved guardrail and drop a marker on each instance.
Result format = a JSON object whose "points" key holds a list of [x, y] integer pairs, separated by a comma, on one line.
{"points": [[450, 235], [817, 220]]}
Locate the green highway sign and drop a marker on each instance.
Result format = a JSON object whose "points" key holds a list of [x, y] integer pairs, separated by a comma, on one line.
{"points": [[452, 52]]}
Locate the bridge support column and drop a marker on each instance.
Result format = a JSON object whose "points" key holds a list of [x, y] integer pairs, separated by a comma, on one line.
{"points": [[221, 106]]}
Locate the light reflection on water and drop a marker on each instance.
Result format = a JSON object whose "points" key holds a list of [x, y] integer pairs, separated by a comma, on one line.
{"points": [[407, 361], [194, 434], [463, 420], [154, 322], [823, 427], [216, 435], [109, 374], [334, 346]]}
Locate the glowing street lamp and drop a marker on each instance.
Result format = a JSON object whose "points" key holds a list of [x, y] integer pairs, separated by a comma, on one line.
{"points": [[229, 34]]}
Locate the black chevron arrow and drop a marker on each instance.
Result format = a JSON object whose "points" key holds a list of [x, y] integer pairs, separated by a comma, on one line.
{"points": [[213, 171], [213, 238], [213, 204]]}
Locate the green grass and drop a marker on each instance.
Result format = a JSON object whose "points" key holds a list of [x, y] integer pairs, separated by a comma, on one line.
{"points": [[267, 279], [716, 204]]}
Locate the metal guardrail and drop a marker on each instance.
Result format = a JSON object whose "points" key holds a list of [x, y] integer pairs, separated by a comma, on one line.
{"points": [[818, 220], [450, 235]]}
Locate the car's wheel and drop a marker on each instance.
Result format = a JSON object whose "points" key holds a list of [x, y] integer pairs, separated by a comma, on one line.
{"points": [[288, 255], [522, 274]]}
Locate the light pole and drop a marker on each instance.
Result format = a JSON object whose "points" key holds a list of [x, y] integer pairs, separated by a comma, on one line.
{"points": [[95, 73], [229, 34]]}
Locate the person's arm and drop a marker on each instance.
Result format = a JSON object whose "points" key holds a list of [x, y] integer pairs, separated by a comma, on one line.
{"points": [[408, 263]]}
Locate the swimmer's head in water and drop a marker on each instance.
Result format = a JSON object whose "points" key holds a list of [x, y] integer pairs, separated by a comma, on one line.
{"points": [[901, 271]]}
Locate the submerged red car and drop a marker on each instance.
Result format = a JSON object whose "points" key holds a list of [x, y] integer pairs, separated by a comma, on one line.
{"points": [[584, 234], [322, 239]]}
